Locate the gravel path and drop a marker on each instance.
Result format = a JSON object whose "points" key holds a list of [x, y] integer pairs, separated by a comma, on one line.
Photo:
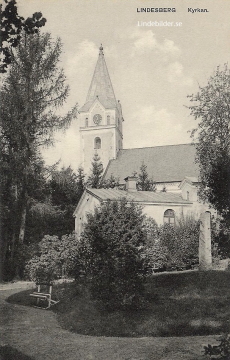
{"points": [[35, 334]]}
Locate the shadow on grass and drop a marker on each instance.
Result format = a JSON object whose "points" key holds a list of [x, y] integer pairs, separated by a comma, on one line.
{"points": [[9, 353], [181, 304], [21, 298]]}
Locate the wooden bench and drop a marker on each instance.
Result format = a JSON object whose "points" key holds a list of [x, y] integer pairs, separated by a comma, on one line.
{"points": [[44, 296]]}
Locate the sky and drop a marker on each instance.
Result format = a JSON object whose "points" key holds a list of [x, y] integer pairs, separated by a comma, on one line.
{"points": [[152, 68]]}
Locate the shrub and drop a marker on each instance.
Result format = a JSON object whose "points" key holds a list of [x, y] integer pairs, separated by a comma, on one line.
{"points": [[114, 237], [182, 242], [221, 238], [55, 258], [221, 351], [155, 254], [170, 247]]}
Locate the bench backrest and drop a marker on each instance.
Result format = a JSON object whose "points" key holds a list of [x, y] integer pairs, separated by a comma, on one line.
{"points": [[44, 288]]}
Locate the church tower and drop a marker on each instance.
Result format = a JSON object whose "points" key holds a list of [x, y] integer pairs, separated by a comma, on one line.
{"points": [[100, 119]]}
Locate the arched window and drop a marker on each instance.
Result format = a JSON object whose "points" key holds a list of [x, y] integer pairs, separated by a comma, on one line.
{"points": [[108, 119], [97, 143], [86, 122], [169, 217]]}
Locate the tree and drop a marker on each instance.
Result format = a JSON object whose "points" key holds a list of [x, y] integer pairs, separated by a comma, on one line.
{"points": [[115, 237], [144, 183], [55, 257], [33, 89], [94, 179], [155, 254], [80, 182], [66, 189], [211, 106], [172, 247], [50, 211], [11, 27], [181, 242], [111, 183]]}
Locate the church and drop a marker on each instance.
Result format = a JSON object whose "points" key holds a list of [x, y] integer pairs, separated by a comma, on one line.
{"points": [[172, 167]]}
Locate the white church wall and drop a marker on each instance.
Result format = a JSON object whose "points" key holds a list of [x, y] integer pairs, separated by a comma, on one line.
{"points": [[156, 211], [88, 204], [107, 150], [170, 187], [189, 192]]}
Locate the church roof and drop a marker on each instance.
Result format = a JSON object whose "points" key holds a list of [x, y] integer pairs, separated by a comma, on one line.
{"points": [[101, 87], [170, 163], [138, 196]]}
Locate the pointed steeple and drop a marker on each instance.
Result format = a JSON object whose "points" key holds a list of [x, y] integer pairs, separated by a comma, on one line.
{"points": [[100, 118], [101, 87]]}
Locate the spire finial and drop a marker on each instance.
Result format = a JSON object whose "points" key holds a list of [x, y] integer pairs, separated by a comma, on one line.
{"points": [[101, 50]]}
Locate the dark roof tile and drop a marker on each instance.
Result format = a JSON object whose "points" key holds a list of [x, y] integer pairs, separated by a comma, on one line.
{"points": [[170, 163]]}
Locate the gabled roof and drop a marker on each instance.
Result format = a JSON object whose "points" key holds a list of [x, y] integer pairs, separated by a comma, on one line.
{"points": [[170, 163], [108, 104], [189, 180], [142, 197], [101, 86]]}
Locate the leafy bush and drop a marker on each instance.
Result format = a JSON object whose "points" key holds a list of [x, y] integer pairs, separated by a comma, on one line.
{"points": [[155, 254], [221, 238], [55, 258], [182, 242], [173, 247], [221, 351], [114, 237]]}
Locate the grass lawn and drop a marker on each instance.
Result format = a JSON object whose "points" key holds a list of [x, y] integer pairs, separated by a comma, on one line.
{"points": [[177, 304]]}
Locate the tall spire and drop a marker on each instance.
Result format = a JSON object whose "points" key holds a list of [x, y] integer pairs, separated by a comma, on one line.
{"points": [[101, 86]]}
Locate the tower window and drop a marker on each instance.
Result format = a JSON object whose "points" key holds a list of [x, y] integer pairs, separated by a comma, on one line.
{"points": [[169, 217], [97, 143], [86, 122], [108, 119]]}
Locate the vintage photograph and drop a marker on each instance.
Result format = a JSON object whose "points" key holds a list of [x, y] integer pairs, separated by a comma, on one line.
{"points": [[115, 180]]}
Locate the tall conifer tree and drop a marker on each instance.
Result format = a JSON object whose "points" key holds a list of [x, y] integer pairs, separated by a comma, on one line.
{"points": [[144, 182], [33, 89], [94, 179]]}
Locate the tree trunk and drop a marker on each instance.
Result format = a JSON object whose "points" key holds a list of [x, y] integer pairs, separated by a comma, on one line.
{"points": [[1, 258], [13, 245], [14, 223], [23, 222]]}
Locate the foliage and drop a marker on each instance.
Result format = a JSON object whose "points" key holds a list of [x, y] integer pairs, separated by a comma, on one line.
{"points": [[33, 89], [55, 258], [144, 183], [182, 242], [155, 254], [94, 179], [172, 247], [220, 238], [66, 189], [111, 183], [212, 140], [54, 215], [11, 28], [12, 204], [115, 237], [80, 181], [221, 351]]}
